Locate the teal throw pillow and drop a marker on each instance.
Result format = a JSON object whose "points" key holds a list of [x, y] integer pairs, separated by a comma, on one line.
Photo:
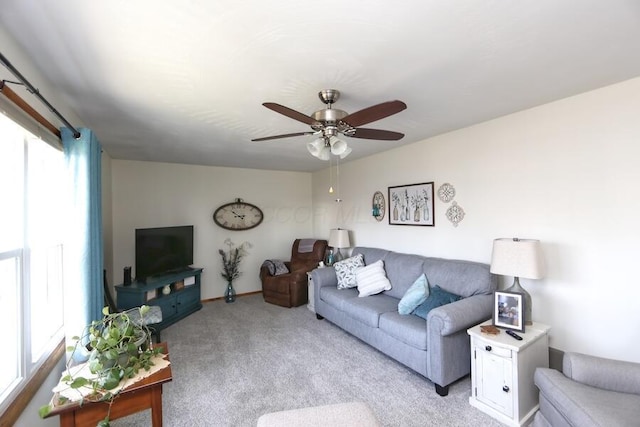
{"points": [[415, 295], [437, 297]]}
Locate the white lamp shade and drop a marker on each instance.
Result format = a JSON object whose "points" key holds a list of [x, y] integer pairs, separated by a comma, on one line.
{"points": [[338, 146], [325, 154], [315, 147], [346, 153], [517, 258], [339, 238]]}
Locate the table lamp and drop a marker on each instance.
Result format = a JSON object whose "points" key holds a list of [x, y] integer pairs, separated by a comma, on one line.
{"points": [[518, 258], [339, 238]]}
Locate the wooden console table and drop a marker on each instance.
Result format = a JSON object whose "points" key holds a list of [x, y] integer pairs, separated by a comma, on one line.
{"points": [[144, 394]]}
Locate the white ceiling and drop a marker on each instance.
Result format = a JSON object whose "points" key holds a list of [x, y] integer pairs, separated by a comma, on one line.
{"points": [[183, 81]]}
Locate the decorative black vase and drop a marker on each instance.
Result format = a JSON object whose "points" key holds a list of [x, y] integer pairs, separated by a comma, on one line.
{"points": [[229, 293]]}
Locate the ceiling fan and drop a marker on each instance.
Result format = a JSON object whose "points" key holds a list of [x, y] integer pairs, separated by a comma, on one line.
{"points": [[328, 123]]}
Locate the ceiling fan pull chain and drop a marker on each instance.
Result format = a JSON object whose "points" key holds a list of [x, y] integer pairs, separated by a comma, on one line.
{"points": [[338, 199], [330, 177]]}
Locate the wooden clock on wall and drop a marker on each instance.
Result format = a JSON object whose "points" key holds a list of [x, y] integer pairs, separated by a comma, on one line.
{"points": [[238, 215]]}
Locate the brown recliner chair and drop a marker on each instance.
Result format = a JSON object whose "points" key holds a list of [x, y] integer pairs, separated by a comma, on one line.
{"points": [[290, 289]]}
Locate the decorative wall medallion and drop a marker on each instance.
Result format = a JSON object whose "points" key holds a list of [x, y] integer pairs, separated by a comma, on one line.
{"points": [[446, 192], [455, 213], [379, 206]]}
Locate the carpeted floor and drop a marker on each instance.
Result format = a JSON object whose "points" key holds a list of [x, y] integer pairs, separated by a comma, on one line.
{"points": [[234, 362]]}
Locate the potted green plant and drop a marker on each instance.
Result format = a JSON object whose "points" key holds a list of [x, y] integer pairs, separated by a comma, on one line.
{"points": [[119, 346]]}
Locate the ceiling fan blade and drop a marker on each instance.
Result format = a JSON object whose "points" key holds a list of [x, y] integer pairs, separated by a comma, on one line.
{"points": [[292, 114], [287, 135], [385, 135], [376, 112]]}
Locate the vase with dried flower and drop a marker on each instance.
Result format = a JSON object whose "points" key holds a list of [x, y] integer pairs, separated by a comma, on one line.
{"points": [[231, 266]]}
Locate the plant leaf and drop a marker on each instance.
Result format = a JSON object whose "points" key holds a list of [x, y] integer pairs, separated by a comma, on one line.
{"points": [[79, 382], [44, 410], [110, 383], [144, 310]]}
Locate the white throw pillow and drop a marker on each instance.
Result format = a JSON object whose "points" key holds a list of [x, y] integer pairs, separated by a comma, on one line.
{"points": [[372, 279], [345, 271]]}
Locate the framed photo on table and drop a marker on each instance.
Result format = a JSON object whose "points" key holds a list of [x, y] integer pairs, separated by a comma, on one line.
{"points": [[411, 204], [508, 310]]}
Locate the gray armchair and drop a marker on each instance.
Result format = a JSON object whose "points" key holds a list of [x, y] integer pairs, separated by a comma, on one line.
{"points": [[591, 391]]}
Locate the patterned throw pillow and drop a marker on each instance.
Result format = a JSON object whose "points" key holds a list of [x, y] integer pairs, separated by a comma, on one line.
{"points": [[346, 271], [415, 295], [372, 279]]}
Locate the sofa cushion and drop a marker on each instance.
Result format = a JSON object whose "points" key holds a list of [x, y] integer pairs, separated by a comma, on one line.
{"points": [[402, 270], [370, 255], [368, 310], [415, 295], [346, 271], [464, 278], [608, 374], [411, 330], [437, 297], [372, 279], [583, 405], [336, 297]]}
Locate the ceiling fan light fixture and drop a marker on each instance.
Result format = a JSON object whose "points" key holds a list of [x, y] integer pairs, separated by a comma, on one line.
{"points": [[315, 147], [338, 146], [346, 153], [328, 123], [325, 154]]}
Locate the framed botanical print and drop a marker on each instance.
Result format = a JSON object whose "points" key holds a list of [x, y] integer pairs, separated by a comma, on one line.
{"points": [[411, 204]]}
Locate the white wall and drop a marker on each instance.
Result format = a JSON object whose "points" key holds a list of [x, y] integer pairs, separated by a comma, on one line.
{"points": [[565, 173], [147, 194]]}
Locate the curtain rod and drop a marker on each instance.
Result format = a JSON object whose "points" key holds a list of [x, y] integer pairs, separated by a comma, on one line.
{"points": [[24, 106], [36, 92]]}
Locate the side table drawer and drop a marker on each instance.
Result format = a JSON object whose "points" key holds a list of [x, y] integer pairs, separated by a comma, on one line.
{"points": [[496, 350]]}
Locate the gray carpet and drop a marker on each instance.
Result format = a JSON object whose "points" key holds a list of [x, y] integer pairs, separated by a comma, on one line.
{"points": [[234, 362]]}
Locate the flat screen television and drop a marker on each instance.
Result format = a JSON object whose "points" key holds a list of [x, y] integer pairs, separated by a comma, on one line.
{"points": [[163, 250]]}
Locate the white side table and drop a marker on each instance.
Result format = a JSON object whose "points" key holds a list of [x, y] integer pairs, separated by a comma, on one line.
{"points": [[310, 304], [502, 371]]}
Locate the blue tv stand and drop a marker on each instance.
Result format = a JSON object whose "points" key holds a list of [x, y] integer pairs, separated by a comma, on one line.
{"points": [[178, 304]]}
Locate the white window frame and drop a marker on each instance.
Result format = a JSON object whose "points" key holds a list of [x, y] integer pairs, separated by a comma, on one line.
{"points": [[29, 363]]}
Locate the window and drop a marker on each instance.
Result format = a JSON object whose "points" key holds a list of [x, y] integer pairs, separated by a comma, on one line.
{"points": [[31, 253]]}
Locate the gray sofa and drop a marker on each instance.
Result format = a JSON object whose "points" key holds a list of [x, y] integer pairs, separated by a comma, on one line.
{"points": [[591, 391], [437, 348]]}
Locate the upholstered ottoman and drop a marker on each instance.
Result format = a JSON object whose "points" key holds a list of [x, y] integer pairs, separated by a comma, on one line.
{"points": [[352, 414]]}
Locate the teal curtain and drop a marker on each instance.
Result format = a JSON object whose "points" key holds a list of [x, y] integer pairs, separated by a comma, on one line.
{"points": [[83, 248]]}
